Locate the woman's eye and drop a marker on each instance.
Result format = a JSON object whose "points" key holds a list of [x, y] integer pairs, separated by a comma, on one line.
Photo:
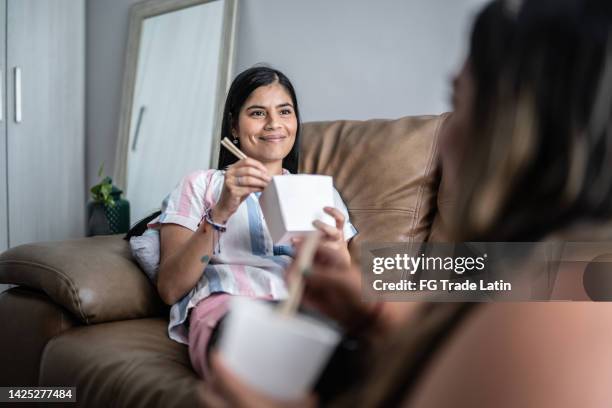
{"points": [[257, 113], [286, 112]]}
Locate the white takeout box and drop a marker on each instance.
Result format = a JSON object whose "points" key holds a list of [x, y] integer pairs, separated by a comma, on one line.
{"points": [[292, 202], [281, 356]]}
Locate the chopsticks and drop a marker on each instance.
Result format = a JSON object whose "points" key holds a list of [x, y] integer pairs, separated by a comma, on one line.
{"points": [[233, 149], [304, 264]]}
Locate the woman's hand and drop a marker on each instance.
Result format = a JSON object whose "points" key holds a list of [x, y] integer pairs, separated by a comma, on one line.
{"points": [[334, 287], [226, 390], [241, 179], [332, 237]]}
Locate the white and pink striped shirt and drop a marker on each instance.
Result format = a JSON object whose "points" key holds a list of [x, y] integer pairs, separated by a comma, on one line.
{"points": [[245, 261]]}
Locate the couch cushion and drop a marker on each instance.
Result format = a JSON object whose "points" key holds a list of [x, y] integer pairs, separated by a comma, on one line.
{"points": [[122, 364], [94, 278], [385, 171]]}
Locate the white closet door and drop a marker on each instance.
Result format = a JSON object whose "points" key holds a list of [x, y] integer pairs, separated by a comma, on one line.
{"points": [[45, 59], [3, 155]]}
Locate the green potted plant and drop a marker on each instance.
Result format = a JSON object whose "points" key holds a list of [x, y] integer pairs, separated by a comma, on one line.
{"points": [[107, 213]]}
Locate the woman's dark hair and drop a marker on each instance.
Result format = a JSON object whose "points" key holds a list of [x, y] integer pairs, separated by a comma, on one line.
{"points": [[242, 87], [540, 154]]}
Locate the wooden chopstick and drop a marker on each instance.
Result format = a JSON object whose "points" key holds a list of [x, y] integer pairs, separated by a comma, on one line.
{"points": [[296, 286], [233, 149]]}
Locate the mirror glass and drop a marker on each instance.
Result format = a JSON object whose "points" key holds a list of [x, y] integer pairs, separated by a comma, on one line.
{"points": [[176, 91]]}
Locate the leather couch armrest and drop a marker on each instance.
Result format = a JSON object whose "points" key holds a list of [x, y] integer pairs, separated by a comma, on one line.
{"points": [[94, 278], [29, 320]]}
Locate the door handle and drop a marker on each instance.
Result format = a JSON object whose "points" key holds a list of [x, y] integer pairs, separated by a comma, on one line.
{"points": [[17, 94], [1, 98], [137, 131]]}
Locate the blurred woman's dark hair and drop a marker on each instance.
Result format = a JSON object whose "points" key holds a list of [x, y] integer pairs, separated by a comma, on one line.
{"points": [[540, 148], [242, 87]]}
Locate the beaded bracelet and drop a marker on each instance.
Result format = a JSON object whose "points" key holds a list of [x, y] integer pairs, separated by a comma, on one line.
{"points": [[218, 227]]}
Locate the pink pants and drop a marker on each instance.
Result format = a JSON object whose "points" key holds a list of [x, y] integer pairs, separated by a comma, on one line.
{"points": [[204, 317]]}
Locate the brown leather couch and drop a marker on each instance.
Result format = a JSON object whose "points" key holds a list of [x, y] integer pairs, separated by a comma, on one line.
{"points": [[84, 314]]}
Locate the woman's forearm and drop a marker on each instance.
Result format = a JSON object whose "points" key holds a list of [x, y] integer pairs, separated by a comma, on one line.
{"points": [[181, 270]]}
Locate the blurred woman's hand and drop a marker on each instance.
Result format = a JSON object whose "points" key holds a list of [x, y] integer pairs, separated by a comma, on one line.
{"points": [[333, 287], [241, 179], [226, 390]]}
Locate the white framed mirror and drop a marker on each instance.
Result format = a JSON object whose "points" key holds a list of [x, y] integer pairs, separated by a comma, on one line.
{"points": [[178, 68]]}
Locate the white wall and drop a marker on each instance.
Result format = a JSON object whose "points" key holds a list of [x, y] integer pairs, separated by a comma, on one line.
{"points": [[348, 59], [359, 59]]}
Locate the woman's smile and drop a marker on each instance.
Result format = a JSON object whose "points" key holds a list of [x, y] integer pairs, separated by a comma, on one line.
{"points": [[272, 138]]}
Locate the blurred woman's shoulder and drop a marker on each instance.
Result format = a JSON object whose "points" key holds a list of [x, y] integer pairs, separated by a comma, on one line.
{"points": [[524, 354]]}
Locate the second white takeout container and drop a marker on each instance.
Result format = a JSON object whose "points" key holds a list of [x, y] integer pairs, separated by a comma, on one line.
{"points": [[281, 356]]}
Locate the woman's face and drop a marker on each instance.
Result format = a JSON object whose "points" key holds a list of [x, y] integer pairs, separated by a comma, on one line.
{"points": [[457, 129], [267, 124]]}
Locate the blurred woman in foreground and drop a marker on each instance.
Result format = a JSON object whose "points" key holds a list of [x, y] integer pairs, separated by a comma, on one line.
{"points": [[529, 146]]}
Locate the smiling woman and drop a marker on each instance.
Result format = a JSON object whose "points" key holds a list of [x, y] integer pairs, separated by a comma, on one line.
{"points": [[262, 110], [213, 239]]}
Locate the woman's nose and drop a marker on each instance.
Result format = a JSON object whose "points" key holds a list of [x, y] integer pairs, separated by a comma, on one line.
{"points": [[273, 122]]}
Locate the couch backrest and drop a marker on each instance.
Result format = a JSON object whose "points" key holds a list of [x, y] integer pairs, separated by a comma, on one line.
{"points": [[385, 170]]}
